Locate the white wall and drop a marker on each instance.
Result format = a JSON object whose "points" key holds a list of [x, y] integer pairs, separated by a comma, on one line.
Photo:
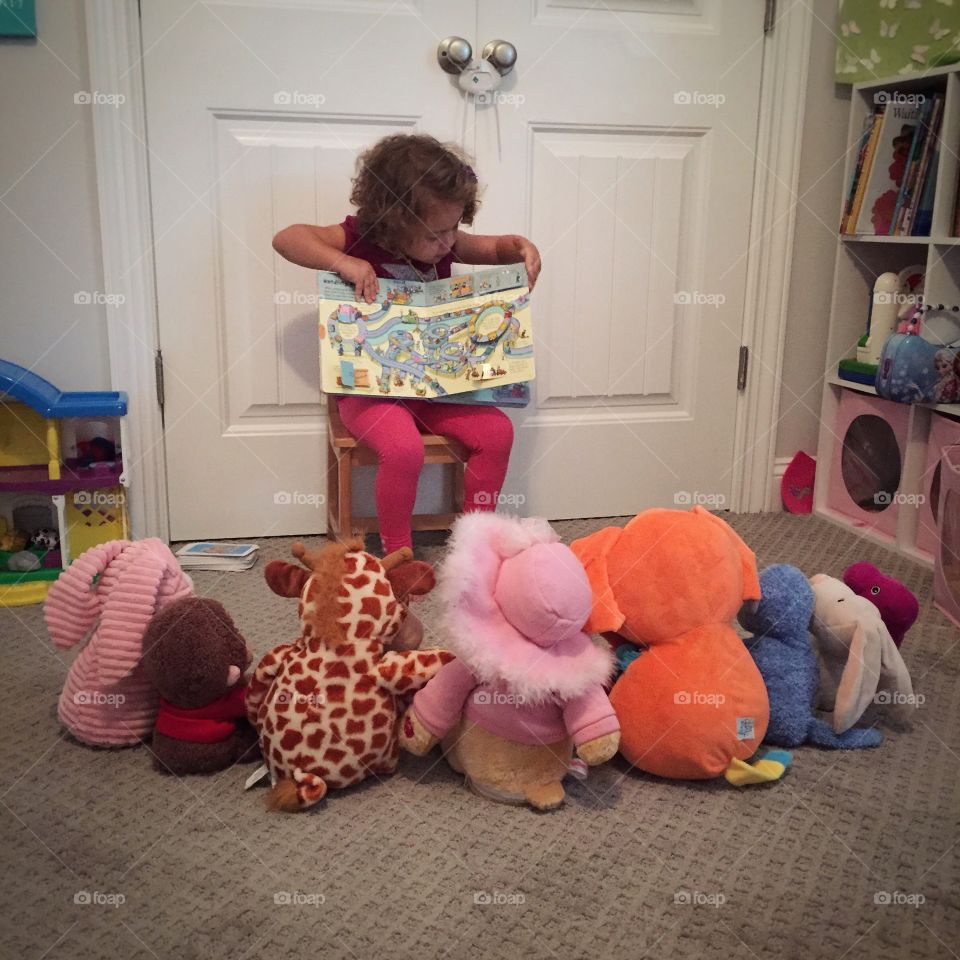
{"points": [[49, 220], [818, 211]]}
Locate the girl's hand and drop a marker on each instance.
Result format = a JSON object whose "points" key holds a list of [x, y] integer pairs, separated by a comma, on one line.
{"points": [[362, 276], [531, 260]]}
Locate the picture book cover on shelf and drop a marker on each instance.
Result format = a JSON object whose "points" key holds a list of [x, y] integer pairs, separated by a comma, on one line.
{"points": [[435, 339], [890, 161]]}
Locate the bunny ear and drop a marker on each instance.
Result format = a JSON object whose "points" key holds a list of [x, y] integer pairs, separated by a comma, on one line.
{"points": [[861, 675], [894, 675], [592, 552], [72, 604], [148, 573]]}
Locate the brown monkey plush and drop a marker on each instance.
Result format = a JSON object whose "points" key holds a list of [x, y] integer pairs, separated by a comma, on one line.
{"points": [[196, 658]]}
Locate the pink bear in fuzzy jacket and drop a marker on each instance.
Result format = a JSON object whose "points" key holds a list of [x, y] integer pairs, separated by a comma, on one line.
{"points": [[527, 684]]}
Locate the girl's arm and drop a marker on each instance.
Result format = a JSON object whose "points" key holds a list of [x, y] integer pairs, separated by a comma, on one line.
{"points": [[321, 248], [508, 248]]}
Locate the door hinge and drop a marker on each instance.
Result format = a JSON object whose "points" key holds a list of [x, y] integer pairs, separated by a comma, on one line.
{"points": [[158, 371], [769, 16], [742, 368]]}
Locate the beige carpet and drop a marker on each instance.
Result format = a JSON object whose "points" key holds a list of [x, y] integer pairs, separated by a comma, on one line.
{"points": [[195, 868]]}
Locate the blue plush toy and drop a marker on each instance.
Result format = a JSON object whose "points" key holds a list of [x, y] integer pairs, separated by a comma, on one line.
{"points": [[786, 660]]}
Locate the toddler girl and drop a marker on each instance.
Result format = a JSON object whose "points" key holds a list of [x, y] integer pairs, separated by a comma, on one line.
{"points": [[412, 193]]}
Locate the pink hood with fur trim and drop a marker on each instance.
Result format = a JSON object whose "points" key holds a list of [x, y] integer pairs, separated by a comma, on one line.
{"points": [[516, 600]]}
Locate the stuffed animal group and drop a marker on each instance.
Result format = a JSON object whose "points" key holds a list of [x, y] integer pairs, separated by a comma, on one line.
{"points": [[522, 693]]}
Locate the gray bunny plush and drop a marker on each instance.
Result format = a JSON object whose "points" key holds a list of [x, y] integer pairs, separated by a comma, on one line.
{"points": [[861, 666]]}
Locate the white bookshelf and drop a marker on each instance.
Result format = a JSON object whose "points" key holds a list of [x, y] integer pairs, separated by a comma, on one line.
{"points": [[859, 260]]}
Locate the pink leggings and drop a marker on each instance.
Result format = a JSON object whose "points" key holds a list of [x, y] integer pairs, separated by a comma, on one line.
{"points": [[392, 428]]}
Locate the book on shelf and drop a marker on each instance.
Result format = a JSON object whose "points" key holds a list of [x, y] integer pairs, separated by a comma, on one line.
{"points": [[892, 184]]}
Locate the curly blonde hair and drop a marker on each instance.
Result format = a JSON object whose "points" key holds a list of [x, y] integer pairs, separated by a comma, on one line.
{"points": [[399, 178]]}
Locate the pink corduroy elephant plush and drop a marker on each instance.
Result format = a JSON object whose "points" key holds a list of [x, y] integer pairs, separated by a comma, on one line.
{"points": [[111, 592]]}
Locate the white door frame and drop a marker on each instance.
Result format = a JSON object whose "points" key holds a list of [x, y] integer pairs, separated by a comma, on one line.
{"points": [[115, 56]]}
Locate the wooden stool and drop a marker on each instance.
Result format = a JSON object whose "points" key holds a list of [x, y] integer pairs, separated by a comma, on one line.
{"points": [[344, 452]]}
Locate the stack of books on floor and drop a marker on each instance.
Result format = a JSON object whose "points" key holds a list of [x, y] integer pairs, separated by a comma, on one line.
{"points": [[892, 185], [218, 556]]}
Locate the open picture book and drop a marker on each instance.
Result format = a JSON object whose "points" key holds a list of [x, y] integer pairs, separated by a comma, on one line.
{"points": [[467, 338]]}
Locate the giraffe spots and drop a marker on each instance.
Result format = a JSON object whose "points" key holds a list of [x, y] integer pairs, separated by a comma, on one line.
{"points": [[268, 725], [337, 712], [316, 738], [361, 666], [315, 664], [348, 771], [382, 588], [351, 561], [295, 667], [345, 650], [410, 667], [365, 684], [357, 582], [355, 726], [369, 758], [345, 609], [336, 669], [282, 724], [290, 739], [379, 720], [356, 745], [362, 707], [391, 608], [371, 607], [364, 629], [277, 756], [445, 656], [334, 754], [336, 693], [306, 686], [371, 563], [389, 671], [404, 683], [378, 740], [427, 659]]}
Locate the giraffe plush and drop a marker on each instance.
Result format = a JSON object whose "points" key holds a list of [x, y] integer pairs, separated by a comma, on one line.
{"points": [[325, 706]]}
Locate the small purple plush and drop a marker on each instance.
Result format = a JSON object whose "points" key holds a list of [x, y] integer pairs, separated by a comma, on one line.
{"points": [[897, 605]]}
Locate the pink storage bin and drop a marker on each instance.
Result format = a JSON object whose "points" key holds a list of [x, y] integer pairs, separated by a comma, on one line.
{"points": [[944, 432], [946, 570], [868, 453]]}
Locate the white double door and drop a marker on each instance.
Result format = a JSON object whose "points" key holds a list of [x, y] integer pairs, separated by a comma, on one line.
{"points": [[622, 144]]}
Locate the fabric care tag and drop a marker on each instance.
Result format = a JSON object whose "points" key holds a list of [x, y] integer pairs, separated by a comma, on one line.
{"points": [[578, 769], [744, 728], [262, 771]]}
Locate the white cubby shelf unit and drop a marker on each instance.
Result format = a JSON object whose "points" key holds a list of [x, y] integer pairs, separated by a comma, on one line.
{"points": [[859, 261]]}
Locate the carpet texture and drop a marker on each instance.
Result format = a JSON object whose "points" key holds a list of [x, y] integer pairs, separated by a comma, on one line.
{"points": [[852, 855]]}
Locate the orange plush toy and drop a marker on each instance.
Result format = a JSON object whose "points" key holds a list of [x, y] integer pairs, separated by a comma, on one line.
{"points": [[692, 705]]}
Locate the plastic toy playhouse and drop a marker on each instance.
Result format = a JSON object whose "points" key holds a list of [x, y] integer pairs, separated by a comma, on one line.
{"points": [[61, 479]]}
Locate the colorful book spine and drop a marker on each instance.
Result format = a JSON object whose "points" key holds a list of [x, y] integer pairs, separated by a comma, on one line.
{"points": [[925, 173], [907, 184], [869, 155], [860, 151]]}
